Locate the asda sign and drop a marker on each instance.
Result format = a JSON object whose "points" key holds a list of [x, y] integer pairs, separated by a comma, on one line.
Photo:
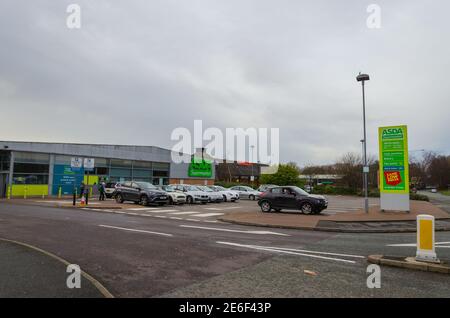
{"points": [[394, 168], [392, 133], [200, 168]]}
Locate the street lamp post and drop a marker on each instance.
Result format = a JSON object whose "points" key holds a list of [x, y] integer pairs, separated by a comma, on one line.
{"points": [[362, 78]]}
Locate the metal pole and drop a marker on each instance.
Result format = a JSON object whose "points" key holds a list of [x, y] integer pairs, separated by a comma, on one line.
{"points": [[365, 173]]}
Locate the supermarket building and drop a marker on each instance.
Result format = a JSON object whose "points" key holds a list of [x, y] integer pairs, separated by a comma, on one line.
{"points": [[42, 169]]}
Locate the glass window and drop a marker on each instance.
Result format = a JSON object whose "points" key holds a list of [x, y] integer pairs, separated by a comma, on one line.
{"points": [[142, 173], [101, 162], [119, 172], [31, 157], [30, 168], [276, 190], [101, 171], [121, 163], [142, 165], [4, 161], [159, 173], [30, 179], [160, 166], [62, 160]]}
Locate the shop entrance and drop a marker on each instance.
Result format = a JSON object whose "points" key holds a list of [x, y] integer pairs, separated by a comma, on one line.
{"points": [[3, 184]]}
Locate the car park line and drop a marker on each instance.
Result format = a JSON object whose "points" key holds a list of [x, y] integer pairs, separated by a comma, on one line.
{"points": [[134, 230], [269, 249], [235, 231], [142, 209], [161, 211], [437, 244]]}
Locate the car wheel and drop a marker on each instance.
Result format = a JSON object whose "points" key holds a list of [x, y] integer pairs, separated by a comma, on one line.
{"points": [[251, 197], [189, 200], [307, 208], [224, 198], [144, 200], [170, 200], [265, 206], [119, 198], [277, 210]]}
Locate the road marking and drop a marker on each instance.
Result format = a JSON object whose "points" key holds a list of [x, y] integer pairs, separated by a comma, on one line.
{"points": [[162, 211], [184, 213], [193, 220], [231, 207], [142, 209], [213, 209], [134, 230], [269, 249], [438, 244], [204, 215], [235, 231]]}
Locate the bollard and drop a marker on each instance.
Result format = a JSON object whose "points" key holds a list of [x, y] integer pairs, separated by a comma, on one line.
{"points": [[425, 239], [8, 192], [59, 192], [25, 192]]}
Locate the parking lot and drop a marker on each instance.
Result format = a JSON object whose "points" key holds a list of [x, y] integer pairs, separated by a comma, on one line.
{"points": [[208, 213]]}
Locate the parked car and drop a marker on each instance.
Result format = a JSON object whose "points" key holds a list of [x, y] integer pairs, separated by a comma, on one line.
{"points": [[213, 195], [110, 188], [193, 194], [291, 197], [246, 192], [175, 197], [228, 195], [265, 187], [143, 193]]}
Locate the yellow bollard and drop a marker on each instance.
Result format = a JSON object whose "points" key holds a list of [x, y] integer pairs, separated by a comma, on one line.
{"points": [[425, 239], [25, 192], [59, 192], [8, 192]]}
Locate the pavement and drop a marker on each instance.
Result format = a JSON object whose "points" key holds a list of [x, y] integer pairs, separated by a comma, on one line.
{"points": [[29, 272], [135, 256], [348, 219]]}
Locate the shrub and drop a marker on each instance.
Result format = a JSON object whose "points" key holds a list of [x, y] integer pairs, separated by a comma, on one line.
{"points": [[418, 197]]}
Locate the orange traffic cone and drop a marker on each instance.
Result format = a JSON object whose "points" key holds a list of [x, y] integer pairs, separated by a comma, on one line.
{"points": [[83, 201]]}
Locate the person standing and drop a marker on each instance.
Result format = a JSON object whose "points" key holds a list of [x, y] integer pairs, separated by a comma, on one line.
{"points": [[101, 190], [82, 187]]}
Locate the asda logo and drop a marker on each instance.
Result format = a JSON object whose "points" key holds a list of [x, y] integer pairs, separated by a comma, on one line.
{"points": [[389, 133]]}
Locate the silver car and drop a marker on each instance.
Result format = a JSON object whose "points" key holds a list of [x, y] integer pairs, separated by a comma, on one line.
{"points": [[246, 192]]}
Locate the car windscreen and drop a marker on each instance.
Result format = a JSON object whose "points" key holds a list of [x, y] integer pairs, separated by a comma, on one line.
{"points": [[206, 189], [146, 185], [168, 188], [192, 188]]}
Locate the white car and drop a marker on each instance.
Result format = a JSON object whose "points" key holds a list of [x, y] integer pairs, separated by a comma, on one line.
{"points": [[213, 195], [175, 197], [193, 194], [246, 192], [228, 195]]}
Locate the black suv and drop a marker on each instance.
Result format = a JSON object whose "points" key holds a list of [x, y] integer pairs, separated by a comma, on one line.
{"points": [[140, 192], [290, 197]]}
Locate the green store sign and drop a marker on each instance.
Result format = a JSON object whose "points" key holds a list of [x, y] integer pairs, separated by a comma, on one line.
{"points": [[200, 168], [394, 167]]}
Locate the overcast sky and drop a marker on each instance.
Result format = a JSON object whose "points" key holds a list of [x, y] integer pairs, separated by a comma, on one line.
{"points": [[136, 70]]}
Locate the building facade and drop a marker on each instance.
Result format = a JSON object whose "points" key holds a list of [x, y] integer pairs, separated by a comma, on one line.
{"points": [[41, 169]]}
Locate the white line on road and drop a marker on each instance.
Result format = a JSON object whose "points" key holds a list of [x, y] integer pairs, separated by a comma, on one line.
{"points": [[184, 213], [269, 249], [213, 209], [204, 215], [162, 211], [134, 230], [142, 209], [414, 244], [235, 231]]}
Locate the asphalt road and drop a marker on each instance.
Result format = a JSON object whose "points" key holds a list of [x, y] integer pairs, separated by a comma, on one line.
{"points": [[438, 199], [134, 256]]}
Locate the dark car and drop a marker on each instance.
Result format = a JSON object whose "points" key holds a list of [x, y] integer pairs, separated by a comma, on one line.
{"points": [[291, 197], [140, 192]]}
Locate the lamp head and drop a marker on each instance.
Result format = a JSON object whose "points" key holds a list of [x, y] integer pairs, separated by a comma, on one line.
{"points": [[362, 77]]}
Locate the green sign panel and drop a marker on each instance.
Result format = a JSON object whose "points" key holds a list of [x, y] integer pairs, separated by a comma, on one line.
{"points": [[394, 168], [200, 168]]}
